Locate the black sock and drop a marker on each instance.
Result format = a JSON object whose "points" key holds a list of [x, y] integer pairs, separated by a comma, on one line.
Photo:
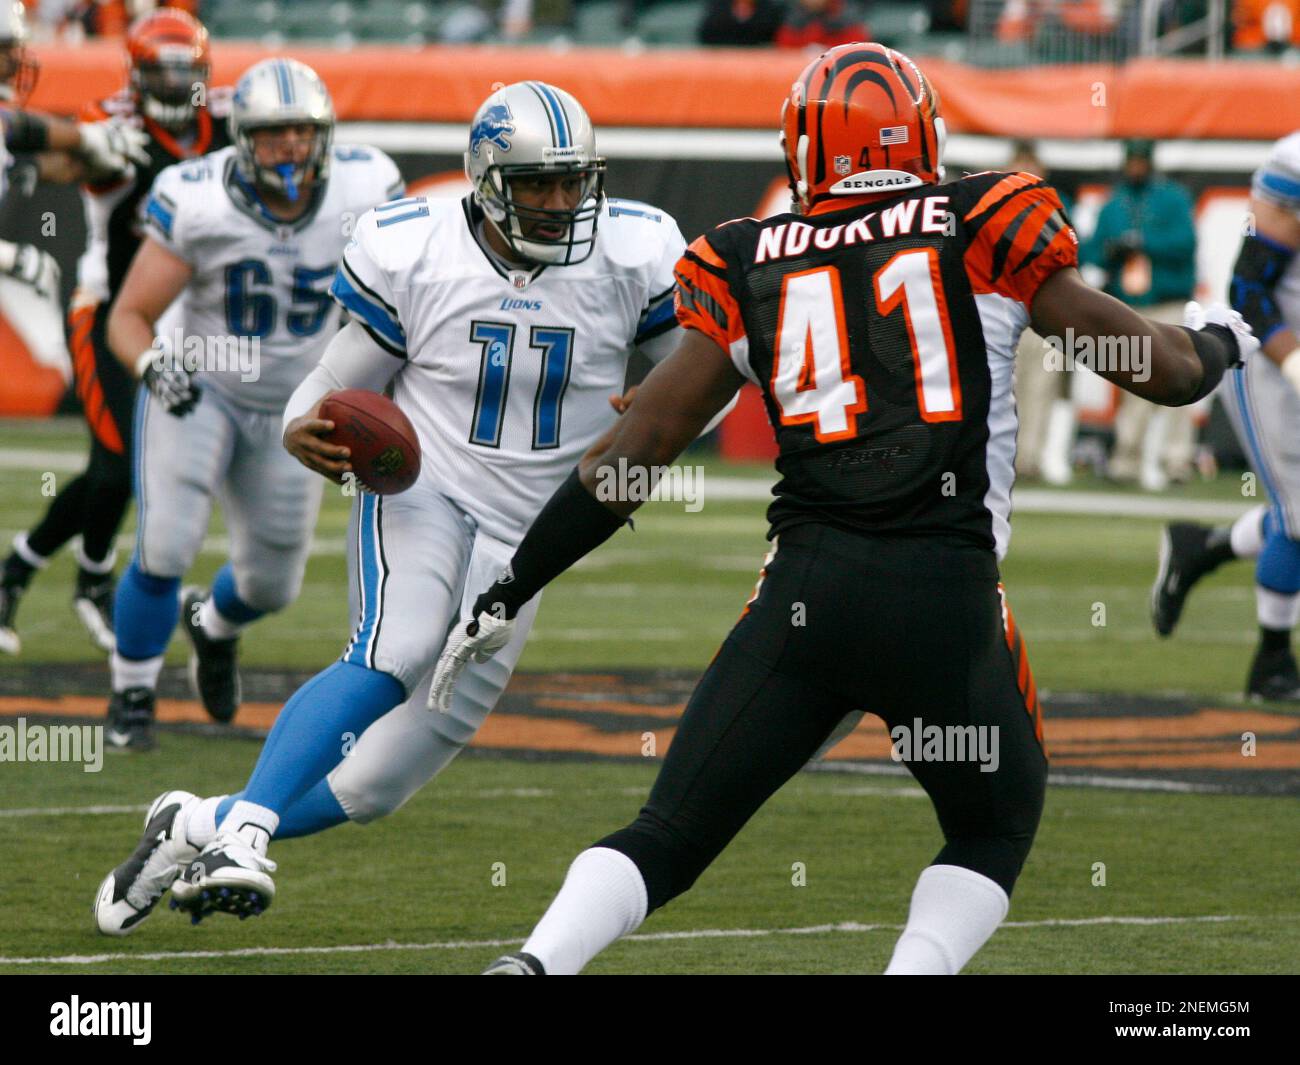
{"points": [[17, 571], [1272, 641], [107, 497], [62, 520]]}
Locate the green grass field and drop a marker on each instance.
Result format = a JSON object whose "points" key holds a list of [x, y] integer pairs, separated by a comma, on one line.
{"points": [[1195, 883]]}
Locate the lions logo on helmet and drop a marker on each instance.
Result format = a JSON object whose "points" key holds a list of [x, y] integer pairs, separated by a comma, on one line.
{"points": [[532, 129], [282, 92]]}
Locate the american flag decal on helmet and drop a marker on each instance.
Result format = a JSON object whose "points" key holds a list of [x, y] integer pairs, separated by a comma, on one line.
{"points": [[893, 135]]}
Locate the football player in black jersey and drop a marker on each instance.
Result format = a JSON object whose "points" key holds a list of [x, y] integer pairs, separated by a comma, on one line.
{"points": [[880, 318], [169, 98]]}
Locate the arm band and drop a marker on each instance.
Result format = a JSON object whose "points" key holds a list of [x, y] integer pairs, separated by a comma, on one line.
{"points": [[1217, 349], [26, 132], [571, 525]]}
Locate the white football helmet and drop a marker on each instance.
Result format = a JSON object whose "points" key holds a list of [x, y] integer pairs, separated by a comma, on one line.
{"points": [[527, 129], [18, 70], [281, 92]]}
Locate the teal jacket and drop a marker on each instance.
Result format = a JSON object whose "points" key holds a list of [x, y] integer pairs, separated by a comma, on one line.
{"points": [[1158, 217]]}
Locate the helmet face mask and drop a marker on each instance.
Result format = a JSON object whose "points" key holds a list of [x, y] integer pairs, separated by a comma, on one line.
{"points": [[526, 141], [276, 94]]}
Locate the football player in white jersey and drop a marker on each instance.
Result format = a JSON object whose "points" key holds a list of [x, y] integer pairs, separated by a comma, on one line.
{"points": [[1263, 401], [241, 244], [502, 325]]}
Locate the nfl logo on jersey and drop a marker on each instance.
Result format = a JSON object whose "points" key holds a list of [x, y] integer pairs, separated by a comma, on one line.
{"points": [[843, 164]]}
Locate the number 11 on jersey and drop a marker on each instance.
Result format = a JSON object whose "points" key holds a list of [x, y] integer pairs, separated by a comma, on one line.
{"points": [[497, 340]]}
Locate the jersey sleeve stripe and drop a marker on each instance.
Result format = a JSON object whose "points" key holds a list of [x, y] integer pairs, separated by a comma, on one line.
{"points": [[659, 318], [703, 253], [161, 218], [383, 327], [361, 286], [1000, 191], [1278, 188]]}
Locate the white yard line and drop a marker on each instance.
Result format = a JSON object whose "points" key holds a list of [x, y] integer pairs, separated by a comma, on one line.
{"points": [[844, 927]]}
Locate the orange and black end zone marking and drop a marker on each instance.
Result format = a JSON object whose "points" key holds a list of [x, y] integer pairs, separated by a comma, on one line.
{"points": [[1112, 737]]}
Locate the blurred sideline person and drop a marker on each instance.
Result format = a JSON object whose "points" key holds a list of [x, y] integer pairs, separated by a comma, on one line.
{"points": [[1263, 401], [168, 96], [247, 239], [883, 339], [1043, 403], [501, 325], [1145, 241]]}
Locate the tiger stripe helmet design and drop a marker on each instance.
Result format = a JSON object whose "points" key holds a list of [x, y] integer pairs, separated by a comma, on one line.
{"points": [[860, 120], [169, 60]]}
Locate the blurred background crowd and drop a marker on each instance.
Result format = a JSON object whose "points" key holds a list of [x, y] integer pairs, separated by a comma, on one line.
{"points": [[996, 32]]}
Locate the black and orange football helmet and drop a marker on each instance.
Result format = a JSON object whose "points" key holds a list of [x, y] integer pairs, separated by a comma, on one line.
{"points": [[170, 59], [861, 120]]}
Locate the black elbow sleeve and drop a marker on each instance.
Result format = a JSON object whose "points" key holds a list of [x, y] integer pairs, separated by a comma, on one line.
{"points": [[26, 132], [1216, 347], [1255, 275]]}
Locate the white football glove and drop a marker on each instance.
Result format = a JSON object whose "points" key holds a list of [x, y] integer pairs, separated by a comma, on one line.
{"points": [[489, 635], [172, 385], [38, 268], [111, 147], [1197, 317]]}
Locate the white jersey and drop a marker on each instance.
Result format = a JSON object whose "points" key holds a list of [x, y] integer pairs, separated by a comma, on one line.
{"points": [[1278, 183], [508, 373], [256, 278]]}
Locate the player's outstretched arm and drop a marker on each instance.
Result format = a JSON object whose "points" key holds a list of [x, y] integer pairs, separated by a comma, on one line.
{"points": [[673, 404], [1167, 364], [1265, 255], [352, 360]]}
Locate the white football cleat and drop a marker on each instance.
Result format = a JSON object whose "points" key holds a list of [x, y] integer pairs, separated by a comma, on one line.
{"points": [[130, 892], [228, 876], [520, 964]]}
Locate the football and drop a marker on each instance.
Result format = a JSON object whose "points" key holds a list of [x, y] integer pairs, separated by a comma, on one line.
{"points": [[385, 449]]}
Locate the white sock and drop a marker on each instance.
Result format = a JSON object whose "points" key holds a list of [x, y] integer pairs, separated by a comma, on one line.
{"points": [[85, 562], [1276, 610], [202, 824], [254, 824], [129, 673], [954, 911], [24, 551], [215, 624], [1247, 536], [603, 897]]}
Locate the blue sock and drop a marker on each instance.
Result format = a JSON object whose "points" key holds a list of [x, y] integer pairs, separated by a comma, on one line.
{"points": [[225, 597], [314, 812], [145, 611], [308, 738], [1278, 566]]}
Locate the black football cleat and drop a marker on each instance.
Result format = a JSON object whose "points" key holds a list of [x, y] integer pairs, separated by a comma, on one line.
{"points": [[1185, 557], [93, 602], [520, 964], [1273, 677], [10, 594], [130, 720], [214, 664]]}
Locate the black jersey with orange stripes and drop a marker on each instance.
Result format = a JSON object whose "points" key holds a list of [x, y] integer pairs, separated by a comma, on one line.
{"points": [[883, 337], [113, 209]]}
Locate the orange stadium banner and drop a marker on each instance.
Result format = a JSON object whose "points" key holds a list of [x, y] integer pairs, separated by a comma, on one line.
{"points": [[743, 89]]}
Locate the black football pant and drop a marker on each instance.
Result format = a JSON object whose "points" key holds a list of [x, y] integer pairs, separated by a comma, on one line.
{"points": [[93, 503], [905, 628]]}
